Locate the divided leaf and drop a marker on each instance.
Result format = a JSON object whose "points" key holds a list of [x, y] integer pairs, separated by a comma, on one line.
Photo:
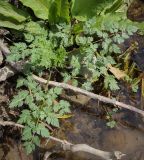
{"points": [[41, 130], [18, 100], [25, 117]]}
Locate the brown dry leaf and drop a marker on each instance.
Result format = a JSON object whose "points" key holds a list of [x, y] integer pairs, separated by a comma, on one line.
{"points": [[119, 74]]}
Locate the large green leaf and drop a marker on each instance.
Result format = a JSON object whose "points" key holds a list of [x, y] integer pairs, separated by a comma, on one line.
{"points": [[114, 7], [10, 23], [39, 7], [59, 11], [11, 12], [84, 9]]}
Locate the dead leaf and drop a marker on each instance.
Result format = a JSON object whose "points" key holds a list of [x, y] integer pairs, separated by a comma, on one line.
{"points": [[65, 116], [119, 74]]}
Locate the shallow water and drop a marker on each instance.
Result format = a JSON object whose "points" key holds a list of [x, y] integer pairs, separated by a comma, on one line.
{"points": [[87, 127]]}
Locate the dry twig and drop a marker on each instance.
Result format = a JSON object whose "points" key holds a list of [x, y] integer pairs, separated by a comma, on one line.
{"points": [[89, 94], [10, 123]]}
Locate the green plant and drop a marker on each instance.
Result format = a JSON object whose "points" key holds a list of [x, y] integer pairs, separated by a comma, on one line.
{"points": [[41, 108], [84, 10], [111, 122], [96, 48], [46, 10], [41, 53], [54, 11], [50, 43]]}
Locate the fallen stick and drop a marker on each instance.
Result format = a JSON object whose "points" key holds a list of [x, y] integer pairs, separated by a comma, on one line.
{"points": [[86, 148], [47, 155], [89, 94], [67, 146], [13, 68], [10, 123], [9, 71]]}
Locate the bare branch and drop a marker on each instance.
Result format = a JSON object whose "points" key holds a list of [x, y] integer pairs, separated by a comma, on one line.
{"points": [[10, 123], [89, 94], [86, 148], [10, 72], [47, 155]]}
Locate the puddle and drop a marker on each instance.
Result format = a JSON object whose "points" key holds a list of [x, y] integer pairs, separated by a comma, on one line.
{"points": [[86, 127]]}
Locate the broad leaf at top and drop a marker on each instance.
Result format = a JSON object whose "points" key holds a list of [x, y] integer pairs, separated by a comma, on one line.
{"points": [[39, 7], [114, 7], [59, 11], [4, 22], [84, 9], [11, 13]]}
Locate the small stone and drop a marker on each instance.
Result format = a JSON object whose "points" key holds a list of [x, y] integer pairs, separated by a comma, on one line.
{"points": [[3, 47]]}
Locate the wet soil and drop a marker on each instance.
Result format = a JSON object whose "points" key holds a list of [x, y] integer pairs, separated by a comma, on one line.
{"points": [[136, 11]]}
